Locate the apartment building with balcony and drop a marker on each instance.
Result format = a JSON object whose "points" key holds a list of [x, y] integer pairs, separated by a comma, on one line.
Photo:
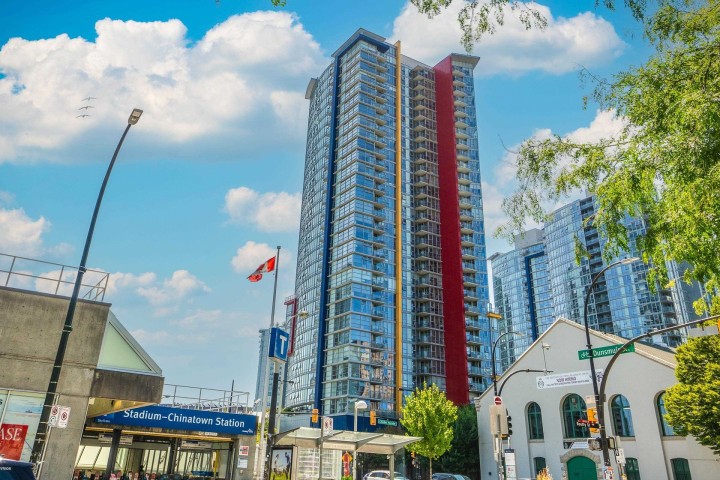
{"points": [[391, 265]]}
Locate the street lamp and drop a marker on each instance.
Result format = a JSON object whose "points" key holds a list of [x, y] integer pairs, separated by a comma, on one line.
{"points": [[42, 430], [359, 405], [497, 340], [625, 261]]}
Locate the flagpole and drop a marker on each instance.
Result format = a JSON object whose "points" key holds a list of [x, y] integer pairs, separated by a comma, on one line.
{"points": [[260, 460]]}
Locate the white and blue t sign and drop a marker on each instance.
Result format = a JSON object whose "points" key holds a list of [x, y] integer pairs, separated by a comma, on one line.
{"points": [[279, 344]]}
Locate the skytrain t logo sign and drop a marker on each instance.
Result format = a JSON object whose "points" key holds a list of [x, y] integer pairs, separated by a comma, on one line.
{"points": [[604, 351]]}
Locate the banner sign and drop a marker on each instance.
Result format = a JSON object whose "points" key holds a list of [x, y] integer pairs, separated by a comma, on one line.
{"points": [[155, 416], [567, 379], [12, 439]]}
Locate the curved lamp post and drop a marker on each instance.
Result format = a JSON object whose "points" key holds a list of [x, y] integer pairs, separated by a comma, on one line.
{"points": [[626, 261], [42, 431], [497, 340]]}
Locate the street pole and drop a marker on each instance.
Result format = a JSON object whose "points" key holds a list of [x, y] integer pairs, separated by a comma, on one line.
{"points": [[494, 375], [601, 403], [603, 433], [37, 455], [359, 405], [261, 461], [527, 370]]}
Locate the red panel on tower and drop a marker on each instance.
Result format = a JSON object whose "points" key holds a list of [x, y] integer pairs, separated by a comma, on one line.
{"points": [[452, 276]]}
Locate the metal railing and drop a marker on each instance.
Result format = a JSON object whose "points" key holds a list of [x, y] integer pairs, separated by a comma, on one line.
{"points": [[49, 277], [208, 399]]}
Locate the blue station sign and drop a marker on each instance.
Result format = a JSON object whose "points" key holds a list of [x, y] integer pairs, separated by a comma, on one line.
{"points": [[156, 416], [279, 344]]}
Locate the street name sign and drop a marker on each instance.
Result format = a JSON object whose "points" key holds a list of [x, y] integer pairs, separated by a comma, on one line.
{"points": [[604, 351]]}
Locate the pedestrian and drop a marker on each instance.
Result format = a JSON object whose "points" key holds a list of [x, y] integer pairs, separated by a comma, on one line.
{"points": [[141, 473]]}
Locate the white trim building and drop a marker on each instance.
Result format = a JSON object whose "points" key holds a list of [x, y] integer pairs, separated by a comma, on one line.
{"points": [[544, 419]]}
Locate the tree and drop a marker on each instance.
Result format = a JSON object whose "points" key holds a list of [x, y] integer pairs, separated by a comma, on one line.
{"points": [[464, 454], [692, 404], [663, 166], [430, 415]]}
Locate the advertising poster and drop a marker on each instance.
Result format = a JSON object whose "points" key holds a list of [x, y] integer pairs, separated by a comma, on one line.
{"points": [[20, 409], [281, 464], [12, 440]]}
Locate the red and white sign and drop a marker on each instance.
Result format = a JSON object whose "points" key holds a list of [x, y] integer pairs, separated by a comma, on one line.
{"points": [[63, 417], [54, 414], [12, 439], [244, 451], [498, 400]]}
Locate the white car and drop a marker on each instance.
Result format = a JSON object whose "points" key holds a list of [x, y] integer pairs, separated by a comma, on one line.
{"points": [[383, 475]]}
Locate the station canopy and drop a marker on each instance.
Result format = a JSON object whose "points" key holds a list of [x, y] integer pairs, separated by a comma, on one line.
{"points": [[362, 442]]}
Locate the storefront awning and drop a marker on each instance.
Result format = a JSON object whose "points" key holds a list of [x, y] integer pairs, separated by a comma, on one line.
{"points": [[363, 442]]}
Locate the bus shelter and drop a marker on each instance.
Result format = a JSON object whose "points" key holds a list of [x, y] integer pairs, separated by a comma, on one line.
{"points": [[342, 441]]}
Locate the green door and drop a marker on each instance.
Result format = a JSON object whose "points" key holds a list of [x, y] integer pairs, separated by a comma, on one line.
{"points": [[581, 468]]}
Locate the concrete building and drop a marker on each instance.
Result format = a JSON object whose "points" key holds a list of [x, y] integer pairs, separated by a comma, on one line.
{"points": [[545, 409], [105, 369], [391, 259], [540, 280]]}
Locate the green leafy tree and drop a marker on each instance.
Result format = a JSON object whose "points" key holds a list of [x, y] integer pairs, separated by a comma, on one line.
{"points": [[663, 166], [693, 405], [429, 414], [464, 454]]}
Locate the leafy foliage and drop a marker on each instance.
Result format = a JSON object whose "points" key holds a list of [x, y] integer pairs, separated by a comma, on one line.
{"points": [[664, 165], [430, 415], [464, 454], [693, 405], [480, 17]]}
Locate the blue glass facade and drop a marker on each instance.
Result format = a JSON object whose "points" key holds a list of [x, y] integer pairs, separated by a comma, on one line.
{"points": [[365, 276], [535, 284]]}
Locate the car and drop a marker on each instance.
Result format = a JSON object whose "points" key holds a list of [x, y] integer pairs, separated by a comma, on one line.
{"points": [[383, 475], [13, 470], [449, 476]]}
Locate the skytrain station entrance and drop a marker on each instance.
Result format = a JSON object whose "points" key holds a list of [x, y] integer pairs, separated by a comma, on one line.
{"points": [[192, 440]]}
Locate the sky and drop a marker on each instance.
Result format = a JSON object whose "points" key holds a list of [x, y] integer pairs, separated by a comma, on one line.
{"points": [[209, 181]]}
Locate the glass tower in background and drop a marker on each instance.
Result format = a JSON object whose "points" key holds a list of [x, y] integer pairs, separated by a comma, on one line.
{"points": [[540, 281], [392, 267]]}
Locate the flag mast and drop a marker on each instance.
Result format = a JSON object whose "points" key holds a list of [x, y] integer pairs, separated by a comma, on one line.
{"points": [[260, 460]]}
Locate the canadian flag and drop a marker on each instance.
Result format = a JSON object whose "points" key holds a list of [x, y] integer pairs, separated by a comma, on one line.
{"points": [[268, 266]]}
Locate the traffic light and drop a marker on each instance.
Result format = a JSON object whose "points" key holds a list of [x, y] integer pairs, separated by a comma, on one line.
{"points": [[509, 425], [373, 419], [314, 417], [592, 420]]}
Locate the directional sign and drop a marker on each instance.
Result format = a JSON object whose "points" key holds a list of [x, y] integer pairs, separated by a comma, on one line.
{"points": [[279, 343], [604, 351]]}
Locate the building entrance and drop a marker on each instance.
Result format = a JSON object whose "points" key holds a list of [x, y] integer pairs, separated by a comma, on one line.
{"points": [[581, 468]]}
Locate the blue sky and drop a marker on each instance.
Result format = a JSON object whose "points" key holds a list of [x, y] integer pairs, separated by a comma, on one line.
{"points": [[208, 182]]}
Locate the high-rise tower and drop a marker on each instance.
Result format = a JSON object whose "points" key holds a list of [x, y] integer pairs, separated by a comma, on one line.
{"points": [[391, 260]]}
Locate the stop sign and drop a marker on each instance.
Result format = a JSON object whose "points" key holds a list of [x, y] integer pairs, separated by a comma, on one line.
{"points": [[498, 400]]}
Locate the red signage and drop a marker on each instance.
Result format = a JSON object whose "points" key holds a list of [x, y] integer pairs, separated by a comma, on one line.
{"points": [[12, 439], [498, 400]]}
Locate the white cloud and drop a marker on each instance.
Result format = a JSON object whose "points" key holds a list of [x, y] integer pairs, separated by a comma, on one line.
{"points": [[179, 287], [119, 280], [584, 39], [20, 234], [249, 256], [269, 212], [6, 197], [200, 100], [605, 125]]}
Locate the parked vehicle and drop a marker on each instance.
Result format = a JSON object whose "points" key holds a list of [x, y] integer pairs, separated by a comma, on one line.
{"points": [[13, 470], [383, 475], [449, 476]]}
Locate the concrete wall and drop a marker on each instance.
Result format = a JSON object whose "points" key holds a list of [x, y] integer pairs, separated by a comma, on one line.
{"points": [[638, 378], [30, 328]]}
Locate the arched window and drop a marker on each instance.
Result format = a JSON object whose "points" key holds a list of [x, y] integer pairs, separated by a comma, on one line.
{"points": [[534, 421], [622, 417], [632, 470], [681, 469], [667, 430], [573, 409], [539, 464]]}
